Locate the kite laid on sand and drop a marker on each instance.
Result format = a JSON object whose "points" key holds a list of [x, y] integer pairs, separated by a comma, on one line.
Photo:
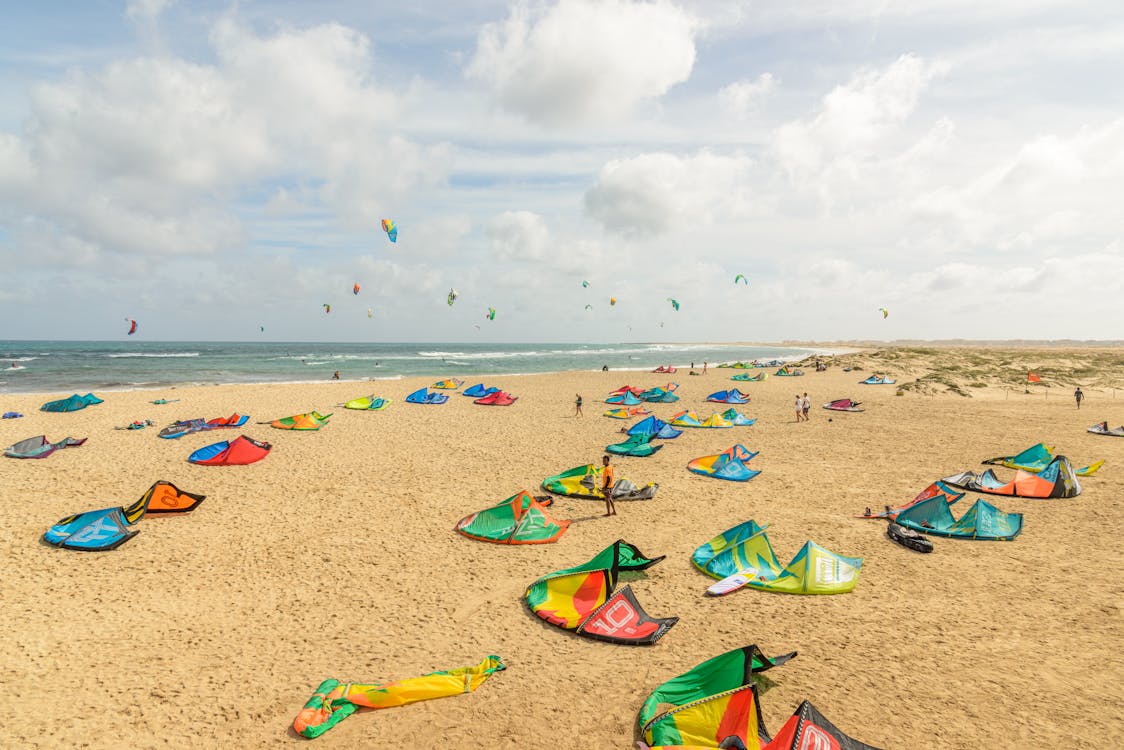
{"points": [[334, 701]]}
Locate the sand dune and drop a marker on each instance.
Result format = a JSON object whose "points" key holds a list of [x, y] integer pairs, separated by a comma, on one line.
{"points": [[335, 557]]}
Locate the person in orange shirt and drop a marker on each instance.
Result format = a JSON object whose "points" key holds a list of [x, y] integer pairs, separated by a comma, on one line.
{"points": [[607, 486]]}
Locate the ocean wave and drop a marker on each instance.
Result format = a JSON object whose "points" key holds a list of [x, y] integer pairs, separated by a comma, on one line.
{"points": [[159, 355], [23, 359]]}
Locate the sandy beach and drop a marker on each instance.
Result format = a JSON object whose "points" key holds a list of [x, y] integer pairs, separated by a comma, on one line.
{"points": [[335, 557]]}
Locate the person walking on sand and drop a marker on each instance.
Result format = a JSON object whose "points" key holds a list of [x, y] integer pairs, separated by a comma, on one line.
{"points": [[1077, 396], [807, 406], [578, 405], [607, 486], [799, 408]]}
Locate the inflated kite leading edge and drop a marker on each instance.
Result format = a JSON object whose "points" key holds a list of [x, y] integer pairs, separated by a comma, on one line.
{"points": [[334, 701]]}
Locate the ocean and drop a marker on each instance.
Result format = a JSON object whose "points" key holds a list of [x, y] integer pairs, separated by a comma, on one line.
{"points": [[50, 366]]}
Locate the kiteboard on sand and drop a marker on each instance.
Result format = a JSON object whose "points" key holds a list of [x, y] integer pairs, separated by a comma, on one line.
{"points": [[730, 584]]}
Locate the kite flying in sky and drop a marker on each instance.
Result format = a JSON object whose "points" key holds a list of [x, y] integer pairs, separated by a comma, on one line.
{"points": [[391, 229]]}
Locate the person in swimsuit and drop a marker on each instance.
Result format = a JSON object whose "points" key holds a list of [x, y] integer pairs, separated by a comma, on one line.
{"points": [[607, 486], [578, 406]]}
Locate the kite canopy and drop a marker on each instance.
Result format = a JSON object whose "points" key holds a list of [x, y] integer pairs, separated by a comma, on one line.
{"points": [[730, 464], [11, 415], [40, 447], [710, 703], [498, 398], [936, 489], [182, 427], [310, 421], [1057, 480], [187, 426], [234, 420], [391, 230], [843, 404], [656, 428], [742, 279], [585, 285], [737, 420], [239, 452], [355, 289], [878, 380], [660, 395], [885, 312], [743, 556], [808, 729], [624, 412], [637, 445], [422, 396], [612, 301], [100, 530], [451, 297], [674, 303], [745, 377], [585, 482], [1036, 458], [478, 391], [623, 399], [334, 701], [664, 369], [73, 403], [520, 519], [983, 521], [491, 314], [368, 403], [688, 418], [132, 326], [787, 371], [733, 396], [1103, 429], [582, 599], [450, 384], [327, 308]]}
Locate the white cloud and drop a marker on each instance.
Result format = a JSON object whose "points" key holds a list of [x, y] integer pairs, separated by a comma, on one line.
{"points": [[145, 155], [518, 235], [583, 60], [856, 117], [653, 193], [742, 97], [146, 11]]}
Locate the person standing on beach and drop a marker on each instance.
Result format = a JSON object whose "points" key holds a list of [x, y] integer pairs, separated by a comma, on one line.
{"points": [[607, 486], [799, 408], [578, 406], [1077, 396], [704, 368], [807, 406]]}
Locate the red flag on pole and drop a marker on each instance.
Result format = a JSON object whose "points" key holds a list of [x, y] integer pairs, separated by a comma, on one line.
{"points": [[1032, 377]]}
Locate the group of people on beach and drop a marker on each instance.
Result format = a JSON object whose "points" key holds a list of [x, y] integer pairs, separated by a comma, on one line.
{"points": [[803, 406]]}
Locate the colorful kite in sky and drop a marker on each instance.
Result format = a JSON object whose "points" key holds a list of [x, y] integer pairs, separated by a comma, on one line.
{"points": [[391, 230]]}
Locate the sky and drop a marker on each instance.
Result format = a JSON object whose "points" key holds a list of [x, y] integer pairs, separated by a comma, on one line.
{"points": [[214, 168]]}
